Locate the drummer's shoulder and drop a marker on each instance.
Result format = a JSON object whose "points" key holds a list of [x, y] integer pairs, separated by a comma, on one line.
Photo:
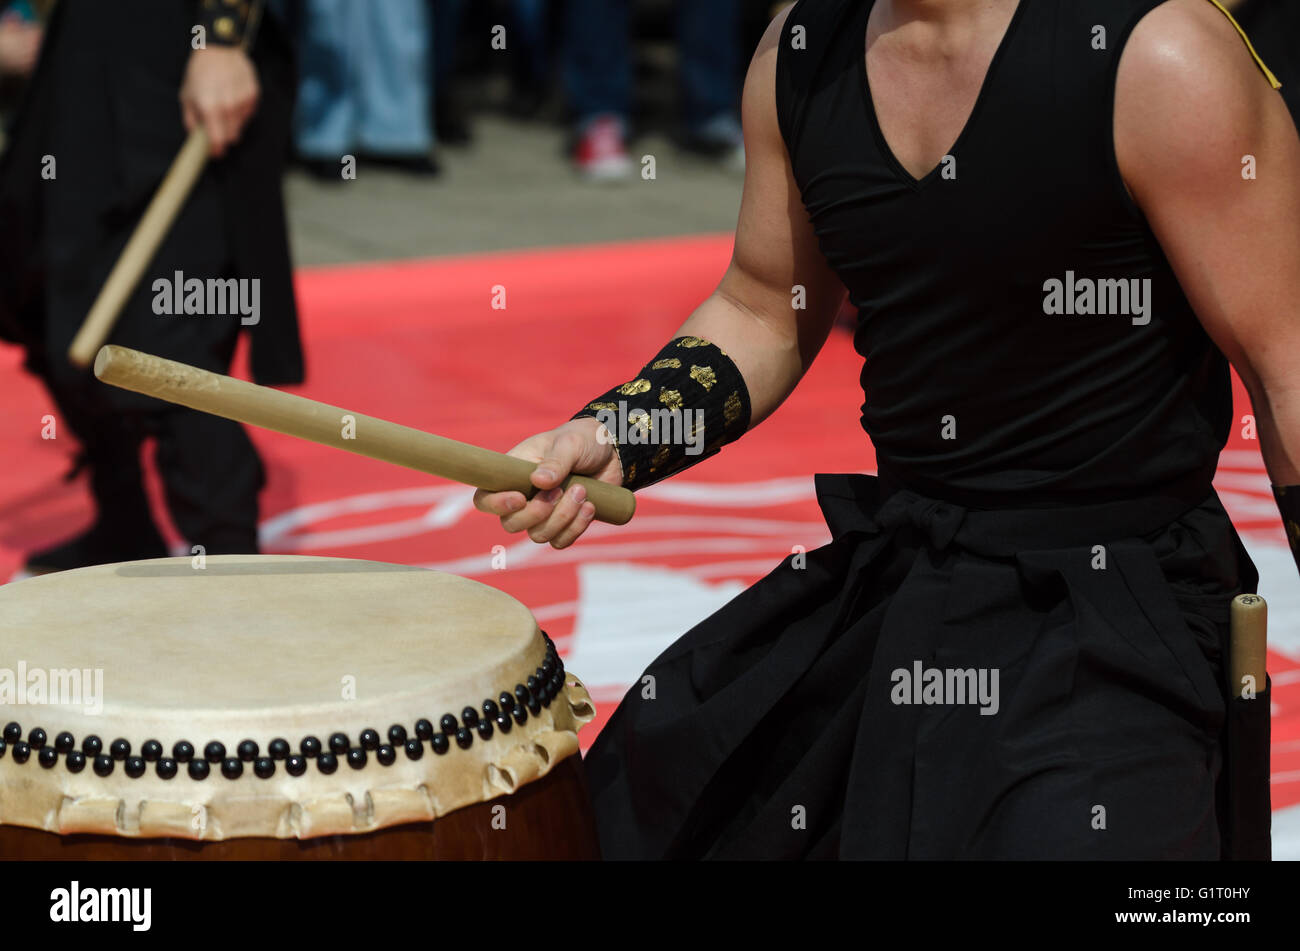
{"points": [[763, 63], [1195, 48], [1191, 93], [801, 27], [759, 99], [790, 55]]}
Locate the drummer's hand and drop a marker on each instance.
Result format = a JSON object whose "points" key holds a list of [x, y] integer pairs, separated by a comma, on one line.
{"points": [[574, 447], [20, 45], [220, 93]]}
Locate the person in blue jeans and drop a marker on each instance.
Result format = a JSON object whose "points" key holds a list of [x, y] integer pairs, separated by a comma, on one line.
{"points": [[598, 80], [526, 42], [364, 86]]}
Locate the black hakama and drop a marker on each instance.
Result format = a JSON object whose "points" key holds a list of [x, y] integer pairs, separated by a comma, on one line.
{"points": [[771, 730]]}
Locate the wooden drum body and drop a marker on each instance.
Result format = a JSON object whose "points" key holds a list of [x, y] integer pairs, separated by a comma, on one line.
{"points": [[273, 707]]}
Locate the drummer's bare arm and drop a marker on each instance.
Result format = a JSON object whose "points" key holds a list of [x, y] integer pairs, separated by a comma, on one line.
{"points": [[753, 314], [771, 313], [1211, 155], [220, 89]]}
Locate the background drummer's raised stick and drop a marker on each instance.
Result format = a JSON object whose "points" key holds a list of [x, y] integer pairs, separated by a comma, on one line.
{"points": [[319, 422], [1249, 643], [140, 250], [149, 233]]}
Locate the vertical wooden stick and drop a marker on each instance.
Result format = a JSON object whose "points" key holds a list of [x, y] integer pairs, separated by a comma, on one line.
{"points": [[1249, 644]]}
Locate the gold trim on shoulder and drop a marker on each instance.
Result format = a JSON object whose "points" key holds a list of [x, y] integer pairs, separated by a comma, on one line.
{"points": [[635, 388], [672, 363], [1249, 45]]}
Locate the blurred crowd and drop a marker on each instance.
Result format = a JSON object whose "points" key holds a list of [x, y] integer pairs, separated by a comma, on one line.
{"points": [[392, 82]]}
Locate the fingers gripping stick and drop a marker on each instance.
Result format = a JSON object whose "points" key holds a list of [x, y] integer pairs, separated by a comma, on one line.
{"points": [[321, 423]]}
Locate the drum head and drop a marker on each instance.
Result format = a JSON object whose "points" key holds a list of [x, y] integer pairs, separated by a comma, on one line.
{"points": [[270, 657]]}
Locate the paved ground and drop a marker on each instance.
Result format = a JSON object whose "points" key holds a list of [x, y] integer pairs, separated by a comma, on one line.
{"points": [[512, 189]]}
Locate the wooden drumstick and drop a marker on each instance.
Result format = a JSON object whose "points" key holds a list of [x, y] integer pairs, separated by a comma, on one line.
{"points": [[319, 422], [1249, 643], [141, 248]]}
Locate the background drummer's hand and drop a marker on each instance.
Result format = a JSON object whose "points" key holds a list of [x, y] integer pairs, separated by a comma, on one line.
{"points": [[574, 447], [20, 45], [220, 93]]}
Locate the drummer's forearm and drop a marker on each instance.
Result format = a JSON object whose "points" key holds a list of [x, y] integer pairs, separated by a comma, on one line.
{"points": [[729, 366], [772, 334], [1269, 377]]}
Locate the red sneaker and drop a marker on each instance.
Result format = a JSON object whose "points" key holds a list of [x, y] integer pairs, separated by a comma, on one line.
{"points": [[601, 153]]}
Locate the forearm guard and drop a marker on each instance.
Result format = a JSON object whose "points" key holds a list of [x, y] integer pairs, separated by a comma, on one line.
{"points": [[683, 407], [225, 22], [1288, 503]]}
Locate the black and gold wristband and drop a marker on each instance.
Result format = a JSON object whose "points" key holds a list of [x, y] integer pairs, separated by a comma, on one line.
{"points": [[684, 406], [1288, 503], [225, 22]]}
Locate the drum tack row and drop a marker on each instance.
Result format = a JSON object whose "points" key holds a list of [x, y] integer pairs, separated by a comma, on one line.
{"points": [[501, 714]]}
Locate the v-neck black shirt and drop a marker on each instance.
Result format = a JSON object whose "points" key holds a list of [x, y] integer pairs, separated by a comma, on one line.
{"points": [[974, 391]]}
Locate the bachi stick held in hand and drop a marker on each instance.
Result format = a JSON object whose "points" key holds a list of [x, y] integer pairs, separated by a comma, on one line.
{"points": [[141, 248], [321, 423], [154, 225]]}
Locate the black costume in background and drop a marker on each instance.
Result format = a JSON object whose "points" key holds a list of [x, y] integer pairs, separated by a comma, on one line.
{"points": [[105, 104], [1077, 438]]}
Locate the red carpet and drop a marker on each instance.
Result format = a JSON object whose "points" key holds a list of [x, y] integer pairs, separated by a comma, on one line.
{"points": [[421, 343]]}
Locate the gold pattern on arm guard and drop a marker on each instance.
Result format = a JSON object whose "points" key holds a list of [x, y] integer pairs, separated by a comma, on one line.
{"points": [[226, 22], [684, 406], [1288, 503]]}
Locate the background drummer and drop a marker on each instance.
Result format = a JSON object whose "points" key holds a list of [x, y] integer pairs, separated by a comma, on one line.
{"points": [[118, 87]]}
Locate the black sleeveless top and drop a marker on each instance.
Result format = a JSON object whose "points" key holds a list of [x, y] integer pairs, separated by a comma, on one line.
{"points": [[1274, 28], [974, 393]]}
